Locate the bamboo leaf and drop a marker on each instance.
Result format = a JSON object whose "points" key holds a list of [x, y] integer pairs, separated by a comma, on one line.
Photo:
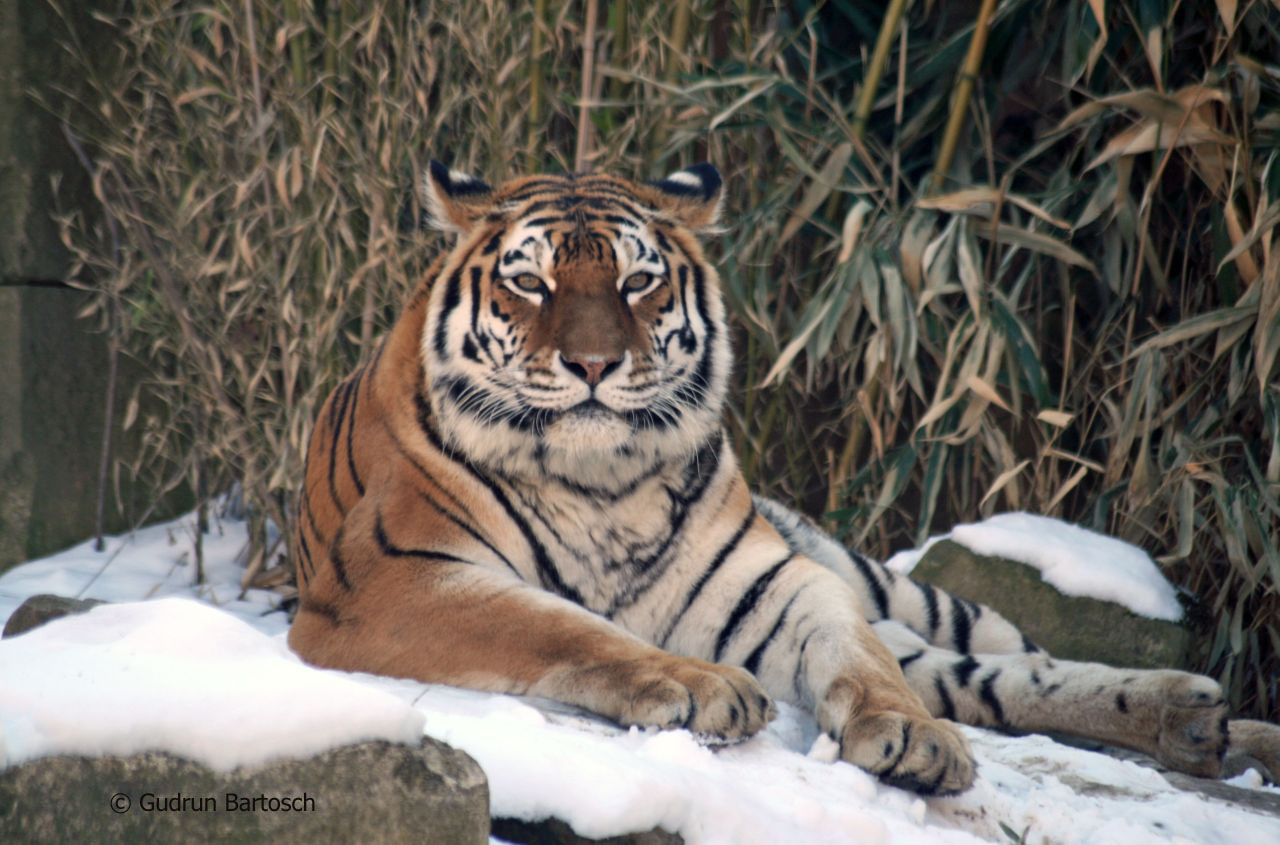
{"points": [[970, 273], [1262, 226], [937, 409], [1060, 419], [912, 248], [851, 229], [966, 199], [1194, 327], [1067, 487], [1227, 11], [818, 191], [895, 480], [1002, 479], [1266, 333], [986, 391], [739, 103], [1186, 518], [1038, 242], [982, 200], [1099, 8], [1100, 43], [195, 94], [1023, 349], [130, 412], [1154, 44], [1147, 102], [797, 343], [1149, 135]]}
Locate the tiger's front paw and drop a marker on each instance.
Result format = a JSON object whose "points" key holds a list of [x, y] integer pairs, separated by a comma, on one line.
{"points": [[707, 698], [917, 753]]}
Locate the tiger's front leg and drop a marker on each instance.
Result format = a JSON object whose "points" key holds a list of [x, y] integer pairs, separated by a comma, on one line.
{"points": [[804, 638], [405, 609]]}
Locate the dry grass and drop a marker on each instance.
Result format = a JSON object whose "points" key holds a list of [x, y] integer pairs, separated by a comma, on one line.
{"points": [[1078, 314]]}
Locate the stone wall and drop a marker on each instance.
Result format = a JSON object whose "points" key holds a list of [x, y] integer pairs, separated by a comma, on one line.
{"points": [[53, 367]]}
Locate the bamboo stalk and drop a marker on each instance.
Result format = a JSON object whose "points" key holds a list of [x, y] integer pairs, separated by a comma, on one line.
{"points": [[618, 51], [588, 72], [348, 12], [114, 332], [297, 42], [679, 39], [330, 58], [889, 29], [202, 521], [852, 449], [964, 89], [535, 83], [253, 60], [871, 79], [870, 82], [108, 422]]}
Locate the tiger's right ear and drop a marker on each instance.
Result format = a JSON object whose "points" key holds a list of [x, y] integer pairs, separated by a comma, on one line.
{"points": [[693, 196], [454, 200]]}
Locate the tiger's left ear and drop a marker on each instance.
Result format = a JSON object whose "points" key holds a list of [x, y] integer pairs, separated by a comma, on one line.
{"points": [[692, 196], [454, 200]]}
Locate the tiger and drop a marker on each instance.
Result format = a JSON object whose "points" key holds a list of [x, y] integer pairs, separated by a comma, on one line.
{"points": [[528, 488]]}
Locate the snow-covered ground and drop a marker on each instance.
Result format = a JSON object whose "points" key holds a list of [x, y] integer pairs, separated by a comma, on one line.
{"points": [[220, 686], [1075, 560]]}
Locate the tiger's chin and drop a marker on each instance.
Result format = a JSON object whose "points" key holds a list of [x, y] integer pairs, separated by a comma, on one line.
{"points": [[590, 431]]}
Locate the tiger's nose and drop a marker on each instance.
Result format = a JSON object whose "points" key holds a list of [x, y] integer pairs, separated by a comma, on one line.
{"points": [[592, 369]]}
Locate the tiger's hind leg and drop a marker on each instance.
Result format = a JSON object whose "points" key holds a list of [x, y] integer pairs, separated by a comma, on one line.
{"points": [[1178, 718], [939, 617], [971, 664]]}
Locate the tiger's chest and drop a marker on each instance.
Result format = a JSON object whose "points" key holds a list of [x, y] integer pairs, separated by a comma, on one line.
{"points": [[606, 545]]}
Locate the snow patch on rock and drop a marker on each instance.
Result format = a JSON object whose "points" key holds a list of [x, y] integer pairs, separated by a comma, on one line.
{"points": [[180, 676], [1075, 560]]}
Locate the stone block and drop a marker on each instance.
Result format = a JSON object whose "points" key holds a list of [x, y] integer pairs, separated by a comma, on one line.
{"points": [[373, 792], [1070, 627]]}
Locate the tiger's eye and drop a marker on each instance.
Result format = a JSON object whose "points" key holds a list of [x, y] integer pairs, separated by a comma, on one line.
{"points": [[636, 282], [529, 282]]}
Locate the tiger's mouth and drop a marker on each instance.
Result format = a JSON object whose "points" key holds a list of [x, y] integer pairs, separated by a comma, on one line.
{"points": [[589, 408]]}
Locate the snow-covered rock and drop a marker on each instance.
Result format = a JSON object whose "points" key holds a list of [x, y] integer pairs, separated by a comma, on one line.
{"points": [[1075, 560], [178, 675]]}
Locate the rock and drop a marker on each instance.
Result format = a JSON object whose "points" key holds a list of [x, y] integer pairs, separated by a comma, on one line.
{"points": [[556, 832], [1256, 800], [40, 609], [1259, 801], [371, 792], [1070, 627]]}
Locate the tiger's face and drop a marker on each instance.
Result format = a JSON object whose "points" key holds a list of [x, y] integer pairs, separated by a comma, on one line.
{"points": [[575, 330]]}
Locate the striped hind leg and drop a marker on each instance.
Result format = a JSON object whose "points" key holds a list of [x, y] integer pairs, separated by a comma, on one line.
{"points": [[1177, 717], [971, 664], [942, 619]]}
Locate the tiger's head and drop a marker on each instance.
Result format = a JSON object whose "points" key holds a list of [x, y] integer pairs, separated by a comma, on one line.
{"points": [[575, 329]]}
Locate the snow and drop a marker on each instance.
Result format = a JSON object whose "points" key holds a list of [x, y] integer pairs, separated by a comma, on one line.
{"points": [[205, 674], [1251, 779], [182, 676], [1075, 560]]}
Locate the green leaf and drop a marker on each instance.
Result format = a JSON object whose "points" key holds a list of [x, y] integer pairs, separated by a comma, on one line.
{"points": [[1194, 327], [1024, 350]]}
